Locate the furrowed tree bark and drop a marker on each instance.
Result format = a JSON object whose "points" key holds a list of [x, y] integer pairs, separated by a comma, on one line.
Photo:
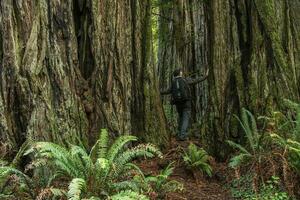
{"points": [[127, 99], [39, 73], [252, 50], [69, 68]]}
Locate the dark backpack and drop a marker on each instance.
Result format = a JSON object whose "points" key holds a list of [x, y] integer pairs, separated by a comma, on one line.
{"points": [[180, 91]]}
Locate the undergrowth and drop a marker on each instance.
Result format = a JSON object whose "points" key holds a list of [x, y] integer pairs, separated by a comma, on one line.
{"points": [[104, 172], [270, 155]]}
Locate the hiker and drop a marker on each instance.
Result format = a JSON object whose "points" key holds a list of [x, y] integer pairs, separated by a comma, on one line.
{"points": [[181, 98]]}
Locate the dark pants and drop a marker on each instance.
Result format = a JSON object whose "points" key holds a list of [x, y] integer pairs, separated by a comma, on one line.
{"points": [[183, 122]]}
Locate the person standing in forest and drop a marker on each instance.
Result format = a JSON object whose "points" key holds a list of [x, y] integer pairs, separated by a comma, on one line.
{"points": [[181, 97]]}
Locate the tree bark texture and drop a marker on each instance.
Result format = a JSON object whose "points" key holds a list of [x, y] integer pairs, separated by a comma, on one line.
{"points": [[251, 48], [69, 68]]}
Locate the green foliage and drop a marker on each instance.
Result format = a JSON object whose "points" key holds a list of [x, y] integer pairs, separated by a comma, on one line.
{"points": [[76, 187], [293, 119], [276, 142], [285, 132], [197, 159], [161, 185], [97, 172], [254, 150], [13, 182], [129, 195], [10, 176], [292, 148], [241, 189]]}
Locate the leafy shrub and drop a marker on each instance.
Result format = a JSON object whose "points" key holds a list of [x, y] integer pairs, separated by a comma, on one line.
{"points": [[10, 177], [128, 195], [291, 148], [286, 134], [197, 159], [254, 151], [241, 189], [160, 184], [261, 155], [256, 154], [13, 182], [97, 173]]}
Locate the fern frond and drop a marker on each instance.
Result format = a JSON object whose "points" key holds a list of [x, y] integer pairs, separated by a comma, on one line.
{"points": [[118, 145], [172, 186], [187, 160], [99, 150], [278, 139], [204, 167], [126, 185], [253, 129], [92, 198], [142, 150], [167, 171], [102, 169], [237, 146], [197, 159], [127, 170], [5, 172], [245, 125], [60, 157], [293, 142], [236, 161], [103, 145], [207, 169], [82, 159], [76, 188], [129, 195], [57, 192]]}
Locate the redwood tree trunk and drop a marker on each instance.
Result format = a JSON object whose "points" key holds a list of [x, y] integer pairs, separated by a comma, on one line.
{"points": [[251, 49], [69, 68]]}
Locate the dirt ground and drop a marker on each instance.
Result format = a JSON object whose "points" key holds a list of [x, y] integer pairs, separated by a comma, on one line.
{"points": [[201, 187]]}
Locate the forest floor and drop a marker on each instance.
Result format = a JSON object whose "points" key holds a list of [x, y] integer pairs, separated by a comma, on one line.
{"points": [[203, 188]]}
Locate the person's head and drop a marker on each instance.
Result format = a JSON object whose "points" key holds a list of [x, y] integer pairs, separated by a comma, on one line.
{"points": [[177, 72]]}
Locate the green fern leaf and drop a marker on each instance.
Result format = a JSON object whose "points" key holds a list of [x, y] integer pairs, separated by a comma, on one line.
{"points": [[129, 195], [103, 145], [76, 188], [237, 146], [236, 161], [57, 192], [118, 145]]}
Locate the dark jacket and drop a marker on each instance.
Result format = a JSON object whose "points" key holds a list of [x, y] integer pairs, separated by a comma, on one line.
{"points": [[187, 105]]}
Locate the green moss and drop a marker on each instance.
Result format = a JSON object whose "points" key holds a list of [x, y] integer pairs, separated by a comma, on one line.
{"points": [[266, 10]]}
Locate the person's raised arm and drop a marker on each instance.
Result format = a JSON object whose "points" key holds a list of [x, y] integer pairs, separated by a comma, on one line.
{"points": [[198, 80]]}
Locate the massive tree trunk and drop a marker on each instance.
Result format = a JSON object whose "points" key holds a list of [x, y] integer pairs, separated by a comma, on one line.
{"points": [[69, 68], [251, 48], [260, 67], [40, 80]]}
